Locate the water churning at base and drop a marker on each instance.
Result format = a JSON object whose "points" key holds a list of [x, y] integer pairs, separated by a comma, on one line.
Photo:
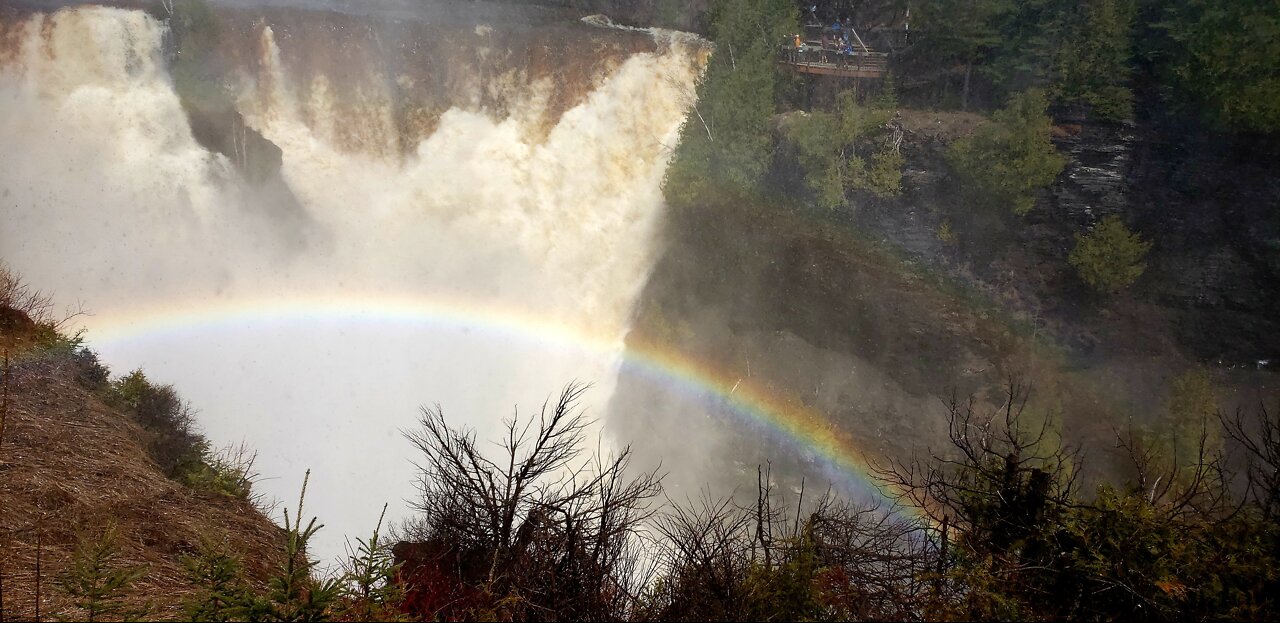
{"points": [[541, 215]]}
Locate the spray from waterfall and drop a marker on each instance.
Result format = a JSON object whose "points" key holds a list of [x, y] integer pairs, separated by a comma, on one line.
{"points": [[109, 200]]}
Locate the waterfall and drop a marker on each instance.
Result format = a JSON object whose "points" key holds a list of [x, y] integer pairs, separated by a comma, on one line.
{"points": [[476, 256]]}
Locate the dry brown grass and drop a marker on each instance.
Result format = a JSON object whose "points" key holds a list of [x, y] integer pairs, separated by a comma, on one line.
{"points": [[69, 465], [943, 125]]}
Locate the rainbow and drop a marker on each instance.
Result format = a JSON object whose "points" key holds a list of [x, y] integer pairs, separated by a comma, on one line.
{"points": [[801, 428]]}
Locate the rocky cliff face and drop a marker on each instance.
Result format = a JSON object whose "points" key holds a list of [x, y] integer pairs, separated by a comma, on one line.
{"points": [[1209, 207], [871, 314]]}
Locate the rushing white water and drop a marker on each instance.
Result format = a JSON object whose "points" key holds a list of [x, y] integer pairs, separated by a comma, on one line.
{"points": [[106, 199]]}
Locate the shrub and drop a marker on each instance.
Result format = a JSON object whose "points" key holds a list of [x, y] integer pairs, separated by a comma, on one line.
{"points": [[229, 471], [15, 294], [510, 537], [172, 441], [1110, 258], [849, 149], [1007, 160]]}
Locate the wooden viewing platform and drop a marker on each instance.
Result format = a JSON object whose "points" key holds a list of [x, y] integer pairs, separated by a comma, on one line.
{"points": [[859, 67], [836, 51]]}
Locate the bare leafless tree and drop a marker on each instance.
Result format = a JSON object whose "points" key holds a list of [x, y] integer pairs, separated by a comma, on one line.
{"points": [[23, 307], [1000, 476], [17, 295], [1261, 444], [779, 559], [704, 555], [556, 531], [879, 560], [1175, 482]]}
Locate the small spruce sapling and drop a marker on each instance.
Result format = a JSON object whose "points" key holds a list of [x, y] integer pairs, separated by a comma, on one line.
{"points": [[96, 582], [296, 594], [372, 589], [223, 594]]}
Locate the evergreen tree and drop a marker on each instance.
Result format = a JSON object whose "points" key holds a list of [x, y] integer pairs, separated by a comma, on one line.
{"points": [[1224, 56], [849, 149], [96, 582], [223, 594], [295, 593], [960, 37], [1092, 65], [727, 142], [1110, 258], [372, 590], [1007, 160]]}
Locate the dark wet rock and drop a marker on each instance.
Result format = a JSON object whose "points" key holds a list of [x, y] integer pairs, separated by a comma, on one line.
{"points": [[223, 130]]}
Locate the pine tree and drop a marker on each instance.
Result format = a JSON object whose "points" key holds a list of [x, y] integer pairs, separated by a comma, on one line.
{"points": [[97, 584], [726, 146], [371, 588], [1110, 258], [1224, 56], [1006, 161], [296, 594], [1092, 66], [223, 594], [960, 37]]}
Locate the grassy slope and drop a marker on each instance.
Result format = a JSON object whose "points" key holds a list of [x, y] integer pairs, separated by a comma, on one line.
{"points": [[69, 465]]}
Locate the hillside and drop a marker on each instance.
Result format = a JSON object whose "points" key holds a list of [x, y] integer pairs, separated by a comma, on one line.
{"points": [[71, 465]]}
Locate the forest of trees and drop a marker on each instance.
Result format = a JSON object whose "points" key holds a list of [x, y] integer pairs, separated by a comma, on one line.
{"points": [[1214, 62], [759, 139]]}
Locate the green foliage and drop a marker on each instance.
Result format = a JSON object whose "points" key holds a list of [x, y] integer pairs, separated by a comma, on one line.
{"points": [[1190, 419], [946, 235], [296, 594], [849, 149], [1224, 56], [1007, 160], [229, 471], [1091, 66], [1080, 52], [367, 590], [1123, 540], [787, 591], [97, 584], [821, 156], [884, 177], [960, 35], [174, 444], [172, 441], [727, 142], [370, 587], [1110, 258], [222, 592]]}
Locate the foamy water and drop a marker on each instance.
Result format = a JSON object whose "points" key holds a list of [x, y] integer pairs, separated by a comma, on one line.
{"points": [[108, 200]]}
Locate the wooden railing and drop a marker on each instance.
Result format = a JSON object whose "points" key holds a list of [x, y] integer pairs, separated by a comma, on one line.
{"points": [[812, 58]]}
